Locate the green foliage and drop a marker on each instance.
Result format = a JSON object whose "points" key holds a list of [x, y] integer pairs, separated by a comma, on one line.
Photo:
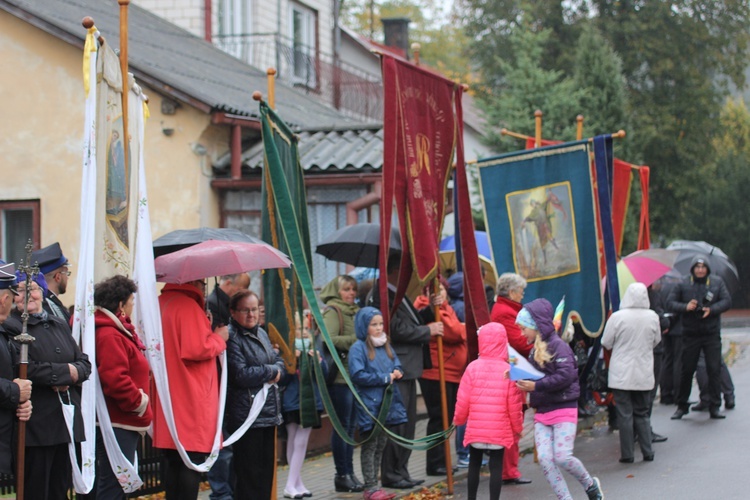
{"points": [[720, 212], [443, 42], [526, 88]]}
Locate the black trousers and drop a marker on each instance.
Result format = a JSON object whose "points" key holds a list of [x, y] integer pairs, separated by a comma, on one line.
{"points": [[496, 472], [47, 472], [181, 482], [394, 466], [106, 485], [693, 345], [431, 393], [727, 386], [254, 464], [671, 371]]}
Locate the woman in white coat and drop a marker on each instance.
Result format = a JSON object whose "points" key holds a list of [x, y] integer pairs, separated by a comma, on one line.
{"points": [[632, 333]]}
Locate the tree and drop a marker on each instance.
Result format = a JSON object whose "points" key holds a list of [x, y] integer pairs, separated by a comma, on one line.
{"points": [[721, 212], [444, 44], [527, 87], [677, 58]]}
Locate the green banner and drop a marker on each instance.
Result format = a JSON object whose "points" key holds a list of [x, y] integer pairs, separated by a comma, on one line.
{"points": [[283, 182]]}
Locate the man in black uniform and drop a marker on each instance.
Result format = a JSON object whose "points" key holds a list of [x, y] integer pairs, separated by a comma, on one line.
{"points": [[700, 299], [55, 268], [15, 393]]}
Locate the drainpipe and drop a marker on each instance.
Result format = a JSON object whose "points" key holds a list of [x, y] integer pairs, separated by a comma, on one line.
{"points": [[236, 167], [365, 201], [207, 13]]}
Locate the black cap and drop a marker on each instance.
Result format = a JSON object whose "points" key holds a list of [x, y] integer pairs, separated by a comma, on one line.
{"points": [[8, 277], [49, 258]]}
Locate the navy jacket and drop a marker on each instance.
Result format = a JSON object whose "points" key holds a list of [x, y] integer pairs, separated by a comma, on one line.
{"points": [[252, 362]]}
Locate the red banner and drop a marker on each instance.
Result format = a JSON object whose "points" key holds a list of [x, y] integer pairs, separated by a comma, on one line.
{"points": [[419, 141]]}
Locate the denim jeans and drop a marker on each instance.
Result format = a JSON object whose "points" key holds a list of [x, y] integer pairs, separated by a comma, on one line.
{"points": [[462, 452], [221, 476], [343, 453]]}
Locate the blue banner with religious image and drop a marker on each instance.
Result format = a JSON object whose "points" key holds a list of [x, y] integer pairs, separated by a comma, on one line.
{"points": [[541, 220]]}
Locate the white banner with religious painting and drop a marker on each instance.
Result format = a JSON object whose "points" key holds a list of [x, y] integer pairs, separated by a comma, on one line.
{"points": [[107, 224], [117, 181]]}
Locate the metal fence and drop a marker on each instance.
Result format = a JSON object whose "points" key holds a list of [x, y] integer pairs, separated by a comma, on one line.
{"points": [[149, 466], [351, 90]]}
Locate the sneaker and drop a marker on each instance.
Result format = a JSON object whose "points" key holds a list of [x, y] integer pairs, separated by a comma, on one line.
{"points": [[595, 490], [378, 494], [463, 463]]}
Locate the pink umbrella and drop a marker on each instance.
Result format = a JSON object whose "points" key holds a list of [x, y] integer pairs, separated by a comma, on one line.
{"points": [[217, 258], [644, 266]]}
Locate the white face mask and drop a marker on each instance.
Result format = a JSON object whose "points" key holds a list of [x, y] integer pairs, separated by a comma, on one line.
{"points": [[302, 344], [379, 340]]}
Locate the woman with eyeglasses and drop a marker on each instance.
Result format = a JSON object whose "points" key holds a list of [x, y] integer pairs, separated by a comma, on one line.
{"points": [[57, 368], [253, 362]]}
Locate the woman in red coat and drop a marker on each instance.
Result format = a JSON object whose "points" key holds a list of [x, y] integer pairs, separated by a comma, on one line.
{"points": [[124, 376], [510, 290], [455, 358]]}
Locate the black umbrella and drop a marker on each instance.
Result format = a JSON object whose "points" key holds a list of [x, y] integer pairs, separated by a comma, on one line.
{"points": [[183, 238], [719, 263], [357, 244]]}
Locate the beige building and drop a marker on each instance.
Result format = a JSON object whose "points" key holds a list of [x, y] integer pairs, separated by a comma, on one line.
{"points": [[201, 110]]}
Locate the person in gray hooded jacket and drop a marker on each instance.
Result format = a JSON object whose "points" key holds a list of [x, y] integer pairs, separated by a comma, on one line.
{"points": [[700, 299], [632, 333]]}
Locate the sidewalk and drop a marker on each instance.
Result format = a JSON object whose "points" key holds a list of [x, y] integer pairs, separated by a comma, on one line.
{"points": [[318, 471]]}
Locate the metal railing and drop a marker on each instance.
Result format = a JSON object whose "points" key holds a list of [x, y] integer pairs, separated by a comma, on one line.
{"points": [[351, 90]]}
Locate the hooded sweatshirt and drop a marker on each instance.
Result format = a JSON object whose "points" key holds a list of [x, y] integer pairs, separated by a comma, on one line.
{"points": [[371, 377], [488, 403], [559, 387], [632, 333], [340, 328], [710, 291]]}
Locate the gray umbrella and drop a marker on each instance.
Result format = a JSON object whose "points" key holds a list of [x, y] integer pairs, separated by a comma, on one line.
{"points": [[357, 244], [719, 263], [183, 238]]}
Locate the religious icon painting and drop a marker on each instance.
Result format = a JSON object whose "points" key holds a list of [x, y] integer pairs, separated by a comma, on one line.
{"points": [[543, 233]]}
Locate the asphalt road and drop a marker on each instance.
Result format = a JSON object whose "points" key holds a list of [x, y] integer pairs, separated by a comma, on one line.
{"points": [[703, 458]]}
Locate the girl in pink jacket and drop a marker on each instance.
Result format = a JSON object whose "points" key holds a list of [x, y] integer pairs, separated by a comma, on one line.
{"points": [[491, 407]]}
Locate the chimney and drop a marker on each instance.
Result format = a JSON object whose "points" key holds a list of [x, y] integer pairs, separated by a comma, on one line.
{"points": [[396, 31]]}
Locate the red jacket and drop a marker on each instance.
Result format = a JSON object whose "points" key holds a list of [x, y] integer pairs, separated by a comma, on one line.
{"points": [[123, 371], [488, 403], [190, 350], [504, 312], [455, 351]]}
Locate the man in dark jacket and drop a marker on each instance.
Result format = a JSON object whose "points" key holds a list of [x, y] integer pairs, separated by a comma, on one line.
{"points": [[410, 333], [55, 268], [700, 299], [14, 393]]}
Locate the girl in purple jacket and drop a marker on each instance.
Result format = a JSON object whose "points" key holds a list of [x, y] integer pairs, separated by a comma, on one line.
{"points": [[555, 398]]}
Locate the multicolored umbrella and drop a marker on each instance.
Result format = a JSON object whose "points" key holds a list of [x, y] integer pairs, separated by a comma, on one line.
{"points": [[217, 258], [644, 266]]}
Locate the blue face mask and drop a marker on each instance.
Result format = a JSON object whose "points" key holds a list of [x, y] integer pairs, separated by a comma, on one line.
{"points": [[302, 344]]}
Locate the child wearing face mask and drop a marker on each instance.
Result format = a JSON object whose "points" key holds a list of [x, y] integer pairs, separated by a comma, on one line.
{"points": [[373, 366], [297, 436]]}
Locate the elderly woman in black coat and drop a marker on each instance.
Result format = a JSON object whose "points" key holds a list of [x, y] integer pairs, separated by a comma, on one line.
{"points": [[57, 368], [252, 362]]}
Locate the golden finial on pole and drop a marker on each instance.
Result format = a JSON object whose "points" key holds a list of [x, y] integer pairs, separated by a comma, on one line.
{"points": [[579, 127], [271, 73], [538, 128], [415, 48], [257, 96]]}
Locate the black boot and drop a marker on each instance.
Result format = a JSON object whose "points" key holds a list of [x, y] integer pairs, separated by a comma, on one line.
{"points": [[356, 481], [346, 484]]}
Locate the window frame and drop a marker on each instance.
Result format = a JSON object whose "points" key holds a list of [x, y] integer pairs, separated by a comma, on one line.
{"points": [[32, 204]]}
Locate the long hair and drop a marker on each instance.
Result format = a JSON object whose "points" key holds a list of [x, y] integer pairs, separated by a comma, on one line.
{"points": [[371, 348], [541, 355]]}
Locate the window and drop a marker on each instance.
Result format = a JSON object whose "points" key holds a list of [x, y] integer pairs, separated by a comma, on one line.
{"points": [[304, 45], [19, 223], [235, 27]]}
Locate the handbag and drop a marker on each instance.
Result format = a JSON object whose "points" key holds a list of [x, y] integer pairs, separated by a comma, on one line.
{"points": [[333, 369]]}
